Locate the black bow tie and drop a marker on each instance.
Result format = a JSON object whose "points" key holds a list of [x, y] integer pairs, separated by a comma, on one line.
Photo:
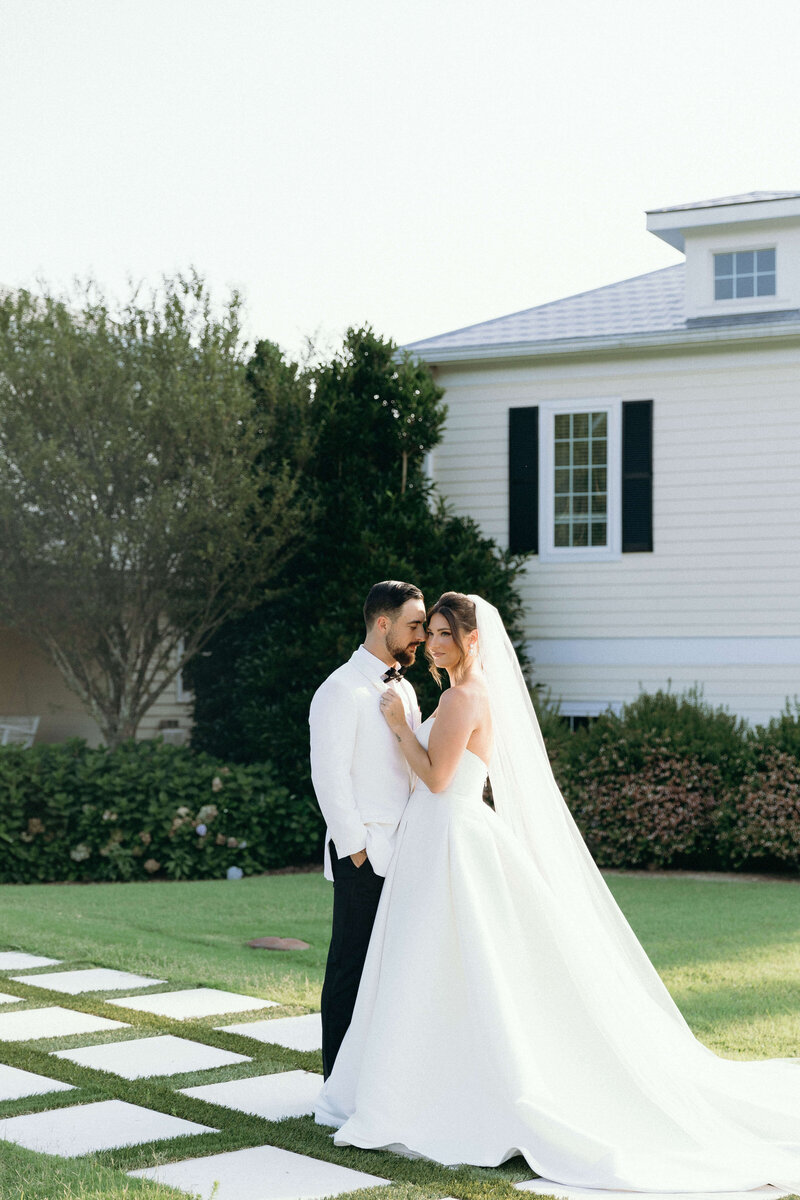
{"points": [[393, 673]]}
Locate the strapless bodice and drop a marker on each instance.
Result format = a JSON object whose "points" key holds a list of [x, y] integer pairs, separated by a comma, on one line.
{"points": [[470, 773]]}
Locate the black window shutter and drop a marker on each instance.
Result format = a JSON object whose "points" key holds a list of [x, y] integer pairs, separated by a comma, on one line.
{"points": [[523, 480], [637, 476]]}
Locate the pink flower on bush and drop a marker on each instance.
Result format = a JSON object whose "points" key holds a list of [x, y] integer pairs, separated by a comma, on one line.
{"points": [[151, 866]]}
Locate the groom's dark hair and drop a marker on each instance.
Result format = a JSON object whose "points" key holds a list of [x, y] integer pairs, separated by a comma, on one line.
{"points": [[387, 598]]}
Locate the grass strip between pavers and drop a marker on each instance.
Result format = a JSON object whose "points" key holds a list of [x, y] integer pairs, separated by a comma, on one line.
{"points": [[237, 1130]]}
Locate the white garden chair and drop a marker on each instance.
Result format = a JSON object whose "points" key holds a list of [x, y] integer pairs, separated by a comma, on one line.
{"points": [[18, 731]]}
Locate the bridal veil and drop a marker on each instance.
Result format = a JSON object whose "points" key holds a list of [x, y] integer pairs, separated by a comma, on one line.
{"points": [[748, 1110]]}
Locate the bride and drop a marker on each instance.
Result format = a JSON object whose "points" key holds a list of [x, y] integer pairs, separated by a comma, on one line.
{"points": [[506, 1006]]}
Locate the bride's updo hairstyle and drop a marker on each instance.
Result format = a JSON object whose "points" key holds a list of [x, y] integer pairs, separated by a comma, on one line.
{"points": [[459, 612]]}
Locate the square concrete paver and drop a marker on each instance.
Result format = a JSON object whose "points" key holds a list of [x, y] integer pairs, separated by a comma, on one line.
{"points": [[31, 1023], [16, 1083], [164, 1055], [17, 960], [7, 998], [260, 1173], [296, 1033], [286, 1094], [543, 1187], [94, 979], [193, 1002], [85, 1128]]}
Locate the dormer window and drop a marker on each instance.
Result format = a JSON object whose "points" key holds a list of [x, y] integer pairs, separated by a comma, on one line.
{"points": [[744, 273]]}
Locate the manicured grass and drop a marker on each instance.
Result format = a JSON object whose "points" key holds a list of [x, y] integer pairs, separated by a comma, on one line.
{"points": [[729, 951]]}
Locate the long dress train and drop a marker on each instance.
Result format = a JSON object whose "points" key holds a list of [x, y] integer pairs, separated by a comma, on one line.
{"points": [[491, 1022]]}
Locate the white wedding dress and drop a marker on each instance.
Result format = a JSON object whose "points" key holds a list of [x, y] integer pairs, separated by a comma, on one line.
{"points": [[499, 1013]]}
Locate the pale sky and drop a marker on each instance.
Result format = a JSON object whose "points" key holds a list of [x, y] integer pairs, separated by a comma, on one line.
{"points": [[419, 165]]}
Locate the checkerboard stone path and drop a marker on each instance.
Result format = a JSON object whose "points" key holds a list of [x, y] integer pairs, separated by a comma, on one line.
{"points": [[143, 1057], [286, 1094], [98, 979], [16, 1084], [295, 1033], [87, 1128], [260, 1173], [192, 1003], [255, 1173], [17, 960]]}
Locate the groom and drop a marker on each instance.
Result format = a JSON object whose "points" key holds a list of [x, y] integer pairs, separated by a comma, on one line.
{"points": [[362, 784]]}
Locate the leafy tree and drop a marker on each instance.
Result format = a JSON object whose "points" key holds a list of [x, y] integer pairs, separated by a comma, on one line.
{"points": [[142, 502], [374, 515]]}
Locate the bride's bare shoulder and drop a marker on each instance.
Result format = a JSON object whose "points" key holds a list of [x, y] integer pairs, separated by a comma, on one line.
{"points": [[471, 694]]}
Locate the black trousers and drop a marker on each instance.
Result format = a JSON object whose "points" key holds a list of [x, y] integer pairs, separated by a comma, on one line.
{"points": [[356, 892]]}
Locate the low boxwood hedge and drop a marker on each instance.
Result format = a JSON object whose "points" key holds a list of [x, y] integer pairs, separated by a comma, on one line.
{"points": [[669, 782], [674, 782], [145, 810]]}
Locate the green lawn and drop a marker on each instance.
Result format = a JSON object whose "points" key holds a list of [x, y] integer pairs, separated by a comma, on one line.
{"points": [[728, 950]]}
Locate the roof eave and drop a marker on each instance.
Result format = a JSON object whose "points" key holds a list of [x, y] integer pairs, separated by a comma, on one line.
{"points": [[561, 347]]}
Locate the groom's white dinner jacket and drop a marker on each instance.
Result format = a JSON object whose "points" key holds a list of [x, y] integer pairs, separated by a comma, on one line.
{"points": [[360, 776]]}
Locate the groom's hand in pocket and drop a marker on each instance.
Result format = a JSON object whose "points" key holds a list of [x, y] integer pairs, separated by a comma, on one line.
{"points": [[359, 858]]}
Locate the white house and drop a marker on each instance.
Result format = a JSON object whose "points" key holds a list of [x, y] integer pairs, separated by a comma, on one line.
{"points": [[643, 440]]}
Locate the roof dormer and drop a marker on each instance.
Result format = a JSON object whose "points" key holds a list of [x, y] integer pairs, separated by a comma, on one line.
{"points": [[742, 254]]}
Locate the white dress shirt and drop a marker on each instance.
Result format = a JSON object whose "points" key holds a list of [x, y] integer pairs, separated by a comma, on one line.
{"points": [[360, 776]]}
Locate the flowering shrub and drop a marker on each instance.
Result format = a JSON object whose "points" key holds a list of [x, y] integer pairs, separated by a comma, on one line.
{"points": [[761, 826], [145, 810], [660, 815]]}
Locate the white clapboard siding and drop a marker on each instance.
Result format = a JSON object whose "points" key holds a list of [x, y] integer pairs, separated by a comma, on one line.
{"points": [[726, 499]]}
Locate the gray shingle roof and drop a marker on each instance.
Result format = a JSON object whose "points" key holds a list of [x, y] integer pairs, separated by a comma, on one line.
{"points": [[646, 304], [724, 201]]}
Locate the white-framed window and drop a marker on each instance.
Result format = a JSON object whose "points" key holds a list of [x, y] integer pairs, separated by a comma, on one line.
{"points": [[580, 494], [743, 274], [579, 714]]}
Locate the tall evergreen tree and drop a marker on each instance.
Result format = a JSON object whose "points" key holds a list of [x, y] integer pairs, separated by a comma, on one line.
{"points": [[370, 420]]}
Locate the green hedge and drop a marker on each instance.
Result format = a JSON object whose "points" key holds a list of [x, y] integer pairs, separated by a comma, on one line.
{"points": [[145, 810], [670, 782], [673, 782]]}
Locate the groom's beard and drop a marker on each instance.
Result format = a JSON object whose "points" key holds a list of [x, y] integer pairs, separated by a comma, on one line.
{"points": [[405, 655]]}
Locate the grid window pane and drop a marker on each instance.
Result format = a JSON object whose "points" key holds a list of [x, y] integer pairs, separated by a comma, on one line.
{"points": [[581, 479], [744, 273], [580, 453]]}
